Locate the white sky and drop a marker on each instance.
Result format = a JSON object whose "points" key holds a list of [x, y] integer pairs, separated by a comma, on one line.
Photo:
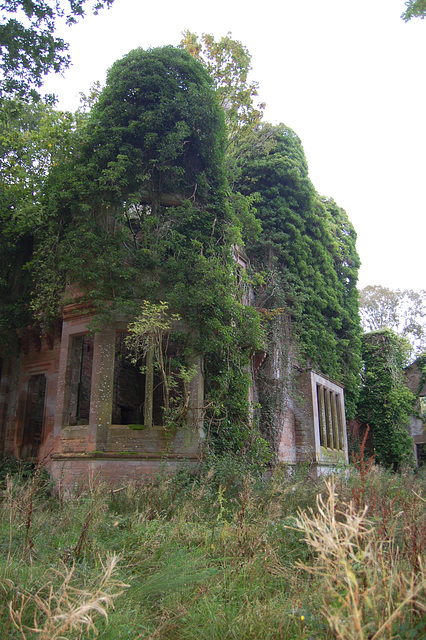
{"points": [[348, 77]]}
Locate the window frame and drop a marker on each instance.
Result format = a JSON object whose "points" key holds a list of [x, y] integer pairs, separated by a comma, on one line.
{"points": [[329, 418]]}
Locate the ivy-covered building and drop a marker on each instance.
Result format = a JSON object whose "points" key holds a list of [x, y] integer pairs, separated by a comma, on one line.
{"points": [[163, 315]]}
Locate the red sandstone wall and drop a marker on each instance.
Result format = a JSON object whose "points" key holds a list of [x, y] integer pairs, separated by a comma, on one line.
{"points": [[32, 357]]}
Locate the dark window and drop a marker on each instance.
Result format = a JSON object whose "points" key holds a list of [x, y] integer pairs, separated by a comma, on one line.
{"points": [[129, 386], [138, 389], [34, 416], [421, 454], [81, 379]]}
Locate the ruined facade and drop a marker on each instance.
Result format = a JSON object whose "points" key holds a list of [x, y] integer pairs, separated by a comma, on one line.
{"points": [[74, 401], [302, 412]]}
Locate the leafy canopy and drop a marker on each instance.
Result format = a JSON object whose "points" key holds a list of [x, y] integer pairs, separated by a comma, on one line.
{"points": [[156, 126], [29, 47], [228, 64], [415, 9]]}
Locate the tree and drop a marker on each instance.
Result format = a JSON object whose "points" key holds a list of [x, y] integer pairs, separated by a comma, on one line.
{"points": [[29, 47], [415, 9], [33, 138], [148, 340], [228, 63], [402, 310]]}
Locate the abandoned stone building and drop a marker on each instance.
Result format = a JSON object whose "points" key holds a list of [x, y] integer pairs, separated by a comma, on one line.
{"points": [[69, 395], [72, 401]]}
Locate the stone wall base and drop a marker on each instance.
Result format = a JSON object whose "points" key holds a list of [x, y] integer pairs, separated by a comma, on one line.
{"points": [[71, 473]]}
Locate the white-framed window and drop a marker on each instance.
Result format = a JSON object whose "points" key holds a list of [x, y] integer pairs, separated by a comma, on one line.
{"points": [[329, 413]]}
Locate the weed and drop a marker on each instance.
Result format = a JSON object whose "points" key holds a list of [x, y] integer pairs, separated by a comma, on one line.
{"points": [[367, 581], [65, 609]]}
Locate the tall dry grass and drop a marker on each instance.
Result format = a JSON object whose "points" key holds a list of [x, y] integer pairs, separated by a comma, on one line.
{"points": [[62, 611], [368, 583]]}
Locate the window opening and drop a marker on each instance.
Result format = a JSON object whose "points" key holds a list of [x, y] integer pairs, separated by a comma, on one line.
{"points": [[421, 454], [81, 379], [129, 386], [138, 396], [34, 416], [330, 418]]}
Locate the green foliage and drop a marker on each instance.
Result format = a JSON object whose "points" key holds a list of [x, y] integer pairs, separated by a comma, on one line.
{"points": [[29, 47], [415, 9], [104, 218], [385, 402], [307, 249], [33, 139], [139, 210], [421, 363], [156, 127]]}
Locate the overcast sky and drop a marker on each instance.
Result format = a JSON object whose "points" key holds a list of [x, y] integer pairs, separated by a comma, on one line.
{"points": [[348, 77]]}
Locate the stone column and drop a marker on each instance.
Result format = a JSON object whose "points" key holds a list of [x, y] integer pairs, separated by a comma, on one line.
{"points": [[149, 389], [101, 390], [196, 396], [63, 392]]}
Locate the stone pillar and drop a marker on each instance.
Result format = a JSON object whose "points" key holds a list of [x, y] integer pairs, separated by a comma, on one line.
{"points": [[63, 392], [149, 389], [102, 389], [321, 415], [196, 396]]}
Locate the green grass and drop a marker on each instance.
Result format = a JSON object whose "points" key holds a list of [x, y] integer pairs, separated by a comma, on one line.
{"points": [[213, 556]]}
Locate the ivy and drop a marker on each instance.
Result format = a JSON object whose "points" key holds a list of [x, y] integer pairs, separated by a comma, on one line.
{"points": [[141, 204], [141, 211], [385, 401], [307, 251]]}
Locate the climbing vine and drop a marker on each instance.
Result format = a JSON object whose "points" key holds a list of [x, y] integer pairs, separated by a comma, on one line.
{"points": [[385, 401], [307, 252], [138, 203], [141, 211]]}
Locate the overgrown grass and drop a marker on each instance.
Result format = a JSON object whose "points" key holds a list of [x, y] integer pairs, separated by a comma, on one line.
{"points": [[216, 556]]}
